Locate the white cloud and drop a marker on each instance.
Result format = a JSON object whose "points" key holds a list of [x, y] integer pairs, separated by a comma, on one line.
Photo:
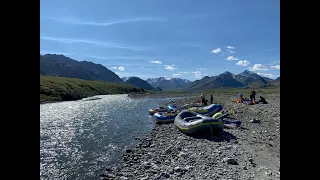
{"points": [[215, 51], [258, 67], [141, 67], [156, 62], [183, 72], [176, 75], [170, 68], [197, 74], [201, 69], [243, 63], [231, 52], [230, 47], [117, 73], [275, 62], [230, 58], [74, 21], [275, 67], [265, 75], [121, 68], [88, 41]]}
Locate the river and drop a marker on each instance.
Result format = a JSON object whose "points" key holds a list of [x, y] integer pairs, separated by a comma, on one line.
{"points": [[78, 139]]}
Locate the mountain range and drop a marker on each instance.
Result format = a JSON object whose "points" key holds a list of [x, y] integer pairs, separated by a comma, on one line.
{"points": [[229, 80], [62, 66], [140, 83], [168, 83]]}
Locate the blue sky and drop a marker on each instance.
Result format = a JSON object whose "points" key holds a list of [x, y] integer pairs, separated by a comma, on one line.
{"points": [[169, 38]]}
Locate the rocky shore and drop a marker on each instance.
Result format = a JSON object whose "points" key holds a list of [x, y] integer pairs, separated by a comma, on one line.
{"points": [[249, 152]]}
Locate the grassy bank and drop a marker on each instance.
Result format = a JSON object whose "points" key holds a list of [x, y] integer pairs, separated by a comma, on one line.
{"points": [[245, 91], [231, 91], [54, 89], [268, 90]]}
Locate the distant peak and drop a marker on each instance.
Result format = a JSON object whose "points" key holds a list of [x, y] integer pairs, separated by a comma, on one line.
{"points": [[127, 78], [54, 55], [227, 73], [248, 72]]}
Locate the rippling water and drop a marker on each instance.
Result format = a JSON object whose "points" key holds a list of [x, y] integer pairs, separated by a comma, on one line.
{"points": [[79, 138]]}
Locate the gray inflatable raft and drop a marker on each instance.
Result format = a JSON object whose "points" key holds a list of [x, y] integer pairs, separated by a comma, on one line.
{"points": [[191, 122], [208, 110]]}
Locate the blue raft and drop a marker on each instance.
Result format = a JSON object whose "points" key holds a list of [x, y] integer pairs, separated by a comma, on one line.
{"points": [[164, 116]]}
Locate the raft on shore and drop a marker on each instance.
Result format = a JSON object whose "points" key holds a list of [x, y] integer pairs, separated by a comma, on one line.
{"points": [[207, 110], [164, 116], [158, 109], [191, 122]]}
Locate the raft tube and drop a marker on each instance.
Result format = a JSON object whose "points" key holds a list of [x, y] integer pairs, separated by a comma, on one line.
{"points": [[158, 109], [172, 107], [221, 116], [207, 110], [191, 122], [164, 116]]}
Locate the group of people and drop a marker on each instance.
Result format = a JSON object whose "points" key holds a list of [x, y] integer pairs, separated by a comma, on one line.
{"points": [[252, 96], [204, 101]]}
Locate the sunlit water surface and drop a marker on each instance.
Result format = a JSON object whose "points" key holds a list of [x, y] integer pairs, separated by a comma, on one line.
{"points": [[79, 138]]}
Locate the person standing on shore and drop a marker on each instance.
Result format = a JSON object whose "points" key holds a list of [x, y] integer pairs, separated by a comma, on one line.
{"points": [[203, 99], [253, 96], [211, 99]]}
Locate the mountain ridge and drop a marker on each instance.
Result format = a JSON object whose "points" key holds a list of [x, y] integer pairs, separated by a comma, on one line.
{"points": [[140, 83], [62, 66], [168, 83], [246, 79]]}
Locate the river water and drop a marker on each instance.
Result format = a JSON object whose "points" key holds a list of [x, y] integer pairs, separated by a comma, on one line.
{"points": [[78, 139]]}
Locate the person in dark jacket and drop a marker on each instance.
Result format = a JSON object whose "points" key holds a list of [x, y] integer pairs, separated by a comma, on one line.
{"points": [[263, 100], [253, 96], [203, 99], [211, 99]]}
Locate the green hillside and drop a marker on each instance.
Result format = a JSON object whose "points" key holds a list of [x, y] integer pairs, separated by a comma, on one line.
{"points": [[66, 89]]}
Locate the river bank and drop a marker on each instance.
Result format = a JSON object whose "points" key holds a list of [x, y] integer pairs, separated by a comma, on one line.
{"points": [[57, 89], [249, 152]]}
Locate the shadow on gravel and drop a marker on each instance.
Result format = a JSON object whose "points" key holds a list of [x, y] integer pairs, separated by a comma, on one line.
{"points": [[216, 136]]}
